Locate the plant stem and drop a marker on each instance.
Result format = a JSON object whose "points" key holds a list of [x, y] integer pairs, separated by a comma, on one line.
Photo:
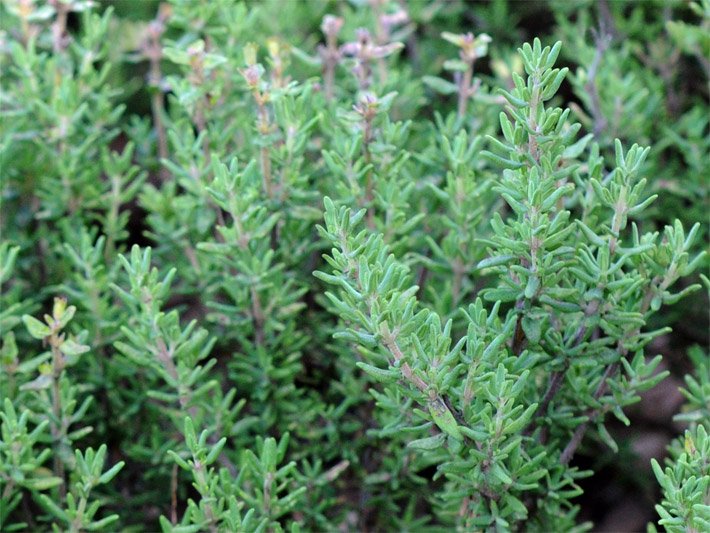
{"points": [[366, 139], [257, 309], [202, 487], [591, 415], [459, 271], [173, 494], [111, 225], [257, 314], [59, 27], [602, 41], [389, 340], [465, 90], [78, 522], [519, 338], [154, 52], [330, 53], [610, 371], [557, 378], [57, 427]]}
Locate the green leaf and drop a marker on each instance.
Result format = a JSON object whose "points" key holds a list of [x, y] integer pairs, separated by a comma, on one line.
{"points": [[37, 329], [69, 347], [501, 161], [51, 507], [176, 56], [190, 436], [98, 525], [429, 443], [440, 85], [379, 374], [268, 454], [455, 65], [179, 460], [552, 88], [453, 38], [9, 352], [495, 260], [215, 451], [532, 327], [42, 382], [66, 317], [532, 286], [111, 473], [443, 418], [499, 473], [42, 483], [607, 438]]}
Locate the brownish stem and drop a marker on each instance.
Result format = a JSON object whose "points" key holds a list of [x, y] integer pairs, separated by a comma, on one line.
{"points": [[257, 309], [381, 38], [153, 51], [369, 196], [201, 479], [330, 53], [201, 124], [591, 414], [421, 280], [157, 105], [519, 338], [59, 27], [266, 170], [390, 343], [57, 427], [600, 122], [190, 251], [459, 271], [185, 395], [8, 490], [157, 110], [557, 378], [173, 495], [328, 80], [112, 218], [606, 18], [257, 315], [465, 90]]}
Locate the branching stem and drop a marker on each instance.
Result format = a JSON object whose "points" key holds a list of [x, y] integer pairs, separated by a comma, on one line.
{"points": [[389, 340], [57, 425], [591, 415]]}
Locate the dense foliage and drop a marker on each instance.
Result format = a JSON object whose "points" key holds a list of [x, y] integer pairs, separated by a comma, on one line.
{"points": [[365, 265]]}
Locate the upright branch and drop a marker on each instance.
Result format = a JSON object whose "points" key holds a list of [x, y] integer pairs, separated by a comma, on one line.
{"points": [[623, 193], [152, 50], [253, 74], [390, 341], [384, 22], [64, 352], [198, 78], [60, 39], [56, 425], [330, 53], [657, 285], [602, 40], [367, 109], [470, 49], [365, 51]]}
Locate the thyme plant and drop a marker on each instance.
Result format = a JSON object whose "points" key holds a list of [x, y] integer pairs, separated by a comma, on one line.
{"points": [[398, 280]]}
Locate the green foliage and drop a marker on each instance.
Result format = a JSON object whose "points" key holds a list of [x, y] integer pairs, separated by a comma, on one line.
{"points": [[685, 482], [566, 280], [190, 344]]}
